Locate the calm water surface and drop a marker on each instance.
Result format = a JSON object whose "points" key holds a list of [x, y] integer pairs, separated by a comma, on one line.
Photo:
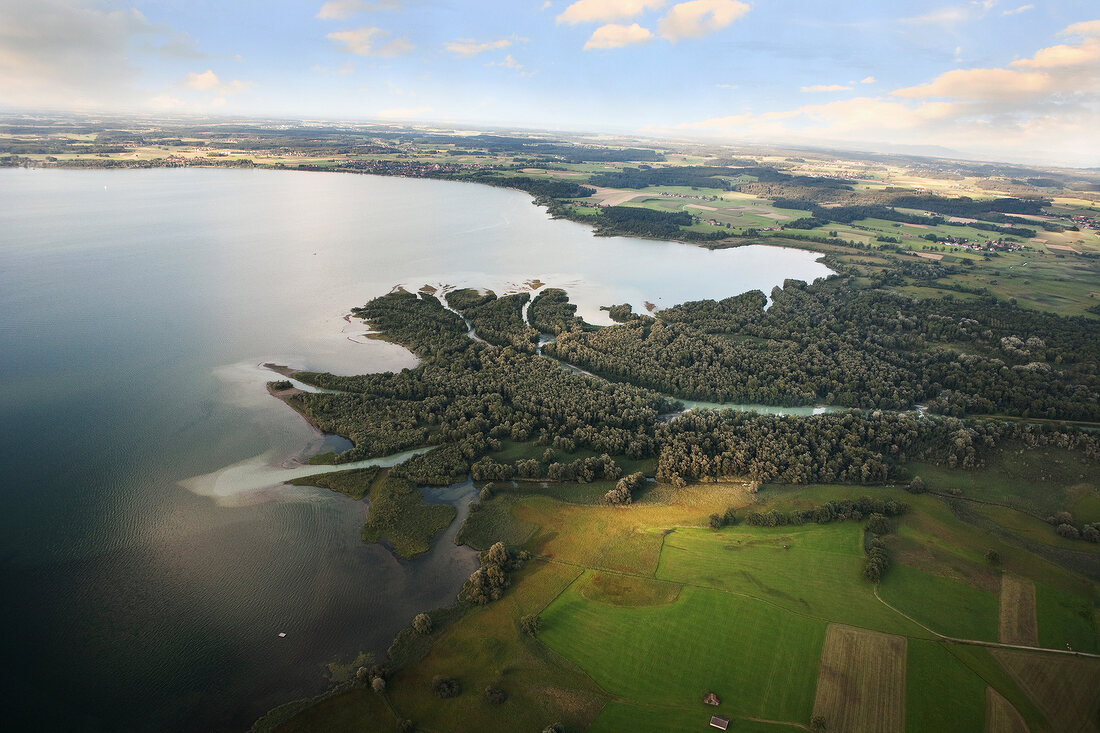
{"points": [[136, 308]]}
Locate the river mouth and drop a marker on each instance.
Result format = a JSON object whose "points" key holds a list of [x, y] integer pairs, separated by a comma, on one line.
{"points": [[138, 305]]}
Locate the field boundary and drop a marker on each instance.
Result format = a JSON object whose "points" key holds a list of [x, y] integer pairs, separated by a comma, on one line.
{"points": [[993, 644]]}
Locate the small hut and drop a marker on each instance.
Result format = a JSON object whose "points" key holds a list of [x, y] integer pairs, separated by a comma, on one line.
{"points": [[719, 723], [711, 699]]}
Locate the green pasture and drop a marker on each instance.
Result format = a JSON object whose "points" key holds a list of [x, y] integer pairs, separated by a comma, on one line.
{"points": [[1066, 620], [814, 570], [759, 660], [946, 606], [941, 693], [620, 716]]}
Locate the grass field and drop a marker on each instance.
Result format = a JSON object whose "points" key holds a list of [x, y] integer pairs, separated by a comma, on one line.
{"points": [[1011, 476], [941, 693], [861, 683], [1066, 689], [814, 570], [1066, 619], [760, 661], [946, 606], [1018, 620], [487, 648]]}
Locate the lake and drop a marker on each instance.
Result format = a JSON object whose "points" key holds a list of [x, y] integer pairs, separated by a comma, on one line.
{"points": [[138, 306]]}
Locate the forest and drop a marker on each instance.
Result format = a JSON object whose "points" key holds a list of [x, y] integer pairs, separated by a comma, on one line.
{"points": [[823, 342]]}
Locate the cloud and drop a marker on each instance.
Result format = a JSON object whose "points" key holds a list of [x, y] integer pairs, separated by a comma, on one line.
{"points": [[208, 81], [726, 86], [1017, 11], [981, 84], [1046, 107], [467, 47], [203, 82], [340, 9], [1088, 29], [55, 53], [1054, 57], [698, 18], [404, 113], [827, 88], [617, 36], [364, 42], [867, 80], [598, 11], [509, 63]]}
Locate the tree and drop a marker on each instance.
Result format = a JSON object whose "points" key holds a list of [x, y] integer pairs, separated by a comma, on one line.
{"points": [[554, 728], [916, 486], [531, 624], [992, 557], [817, 723], [445, 687], [422, 624], [715, 521], [497, 555], [495, 695], [378, 684], [878, 524], [486, 493], [1068, 531]]}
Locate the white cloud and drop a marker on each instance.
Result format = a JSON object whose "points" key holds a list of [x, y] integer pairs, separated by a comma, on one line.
{"points": [[467, 47], [867, 80], [208, 81], [340, 9], [597, 11], [726, 86], [981, 85], [365, 42], [1059, 56], [617, 36], [1088, 28], [827, 88], [1017, 11], [698, 18], [510, 63], [203, 82]]}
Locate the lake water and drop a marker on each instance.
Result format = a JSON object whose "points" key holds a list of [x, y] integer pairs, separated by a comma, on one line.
{"points": [[136, 308]]}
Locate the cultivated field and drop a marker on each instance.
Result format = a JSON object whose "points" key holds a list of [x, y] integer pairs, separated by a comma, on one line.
{"points": [[1019, 624], [1000, 716], [861, 684], [1066, 689]]}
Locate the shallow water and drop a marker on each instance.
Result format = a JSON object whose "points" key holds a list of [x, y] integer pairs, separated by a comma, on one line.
{"points": [[137, 307]]}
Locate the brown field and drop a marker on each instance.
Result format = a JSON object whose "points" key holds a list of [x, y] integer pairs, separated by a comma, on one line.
{"points": [[700, 206], [1066, 689], [1019, 624], [1065, 247], [1000, 716], [861, 685], [929, 255]]}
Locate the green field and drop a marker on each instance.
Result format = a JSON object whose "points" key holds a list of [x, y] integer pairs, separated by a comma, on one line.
{"points": [[761, 662], [813, 570], [941, 693]]}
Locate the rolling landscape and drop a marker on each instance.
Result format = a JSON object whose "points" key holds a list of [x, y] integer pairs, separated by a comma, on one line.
{"points": [[324, 421]]}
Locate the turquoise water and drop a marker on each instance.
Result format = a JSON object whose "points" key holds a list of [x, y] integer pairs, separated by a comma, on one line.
{"points": [[137, 306]]}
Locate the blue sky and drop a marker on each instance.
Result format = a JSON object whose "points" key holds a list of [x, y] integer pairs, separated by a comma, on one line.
{"points": [[993, 78]]}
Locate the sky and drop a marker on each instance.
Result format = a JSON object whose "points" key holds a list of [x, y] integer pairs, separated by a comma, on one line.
{"points": [[993, 79]]}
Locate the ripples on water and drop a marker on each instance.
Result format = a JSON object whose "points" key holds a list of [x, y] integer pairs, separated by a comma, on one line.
{"points": [[136, 306]]}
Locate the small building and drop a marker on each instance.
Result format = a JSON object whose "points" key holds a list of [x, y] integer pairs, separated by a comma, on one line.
{"points": [[711, 699], [719, 723]]}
